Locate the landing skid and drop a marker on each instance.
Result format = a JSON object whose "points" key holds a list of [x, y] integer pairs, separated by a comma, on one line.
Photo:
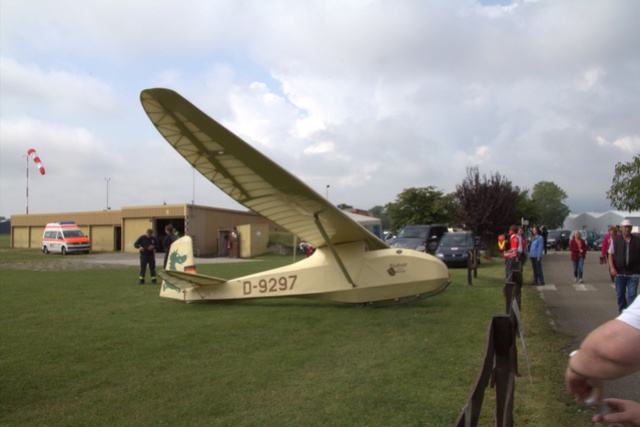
{"points": [[398, 301]]}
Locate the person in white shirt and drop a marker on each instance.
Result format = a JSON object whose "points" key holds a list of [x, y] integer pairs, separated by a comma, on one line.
{"points": [[609, 352]]}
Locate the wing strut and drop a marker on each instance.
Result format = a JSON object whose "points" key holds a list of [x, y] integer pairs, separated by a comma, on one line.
{"points": [[326, 238]]}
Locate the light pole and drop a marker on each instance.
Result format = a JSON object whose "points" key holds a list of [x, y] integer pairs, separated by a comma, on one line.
{"points": [[326, 195], [107, 181]]}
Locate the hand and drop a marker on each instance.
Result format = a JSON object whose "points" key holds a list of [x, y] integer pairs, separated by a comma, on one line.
{"points": [[583, 388], [623, 412], [150, 247], [141, 249]]}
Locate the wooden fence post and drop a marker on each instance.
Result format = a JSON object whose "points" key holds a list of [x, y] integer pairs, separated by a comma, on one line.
{"points": [[504, 372]]}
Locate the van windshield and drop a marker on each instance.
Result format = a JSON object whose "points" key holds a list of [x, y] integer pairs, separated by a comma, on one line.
{"points": [[73, 233], [410, 232]]}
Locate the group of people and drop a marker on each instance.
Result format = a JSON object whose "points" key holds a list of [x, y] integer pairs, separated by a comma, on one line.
{"points": [[612, 350], [519, 249]]}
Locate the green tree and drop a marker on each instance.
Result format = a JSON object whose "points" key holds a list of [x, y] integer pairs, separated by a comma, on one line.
{"points": [[526, 209], [548, 200], [625, 188], [425, 205], [381, 213], [487, 206]]}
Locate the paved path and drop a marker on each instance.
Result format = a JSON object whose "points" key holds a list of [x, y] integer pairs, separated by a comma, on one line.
{"points": [[577, 309]]}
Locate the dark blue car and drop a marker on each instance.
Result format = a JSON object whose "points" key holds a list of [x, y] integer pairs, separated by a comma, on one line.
{"points": [[454, 248]]}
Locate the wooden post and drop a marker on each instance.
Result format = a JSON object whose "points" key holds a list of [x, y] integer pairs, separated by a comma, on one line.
{"points": [[504, 340]]}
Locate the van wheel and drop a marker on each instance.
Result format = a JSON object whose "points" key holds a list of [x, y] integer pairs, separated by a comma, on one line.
{"points": [[45, 250], [64, 250]]}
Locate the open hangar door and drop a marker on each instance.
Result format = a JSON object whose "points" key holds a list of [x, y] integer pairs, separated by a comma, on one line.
{"points": [[161, 223]]}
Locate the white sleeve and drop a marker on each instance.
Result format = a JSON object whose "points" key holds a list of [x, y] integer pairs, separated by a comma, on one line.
{"points": [[611, 250], [631, 315]]}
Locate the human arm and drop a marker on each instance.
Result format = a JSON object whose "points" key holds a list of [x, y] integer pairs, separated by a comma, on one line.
{"points": [[609, 352], [612, 265], [625, 412]]}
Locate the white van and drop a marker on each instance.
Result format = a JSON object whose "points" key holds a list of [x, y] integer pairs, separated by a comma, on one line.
{"points": [[64, 237]]}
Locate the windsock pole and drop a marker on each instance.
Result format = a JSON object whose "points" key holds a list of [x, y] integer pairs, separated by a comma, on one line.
{"points": [[27, 184]]}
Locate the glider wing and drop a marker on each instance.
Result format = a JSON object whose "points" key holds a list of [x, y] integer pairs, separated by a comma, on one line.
{"points": [[248, 176]]}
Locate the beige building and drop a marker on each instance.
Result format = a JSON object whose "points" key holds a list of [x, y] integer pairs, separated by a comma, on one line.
{"points": [[117, 230]]}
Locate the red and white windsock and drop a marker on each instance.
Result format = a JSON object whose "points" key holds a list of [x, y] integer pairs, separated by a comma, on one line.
{"points": [[36, 159]]}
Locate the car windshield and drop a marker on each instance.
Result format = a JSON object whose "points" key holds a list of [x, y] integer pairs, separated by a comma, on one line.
{"points": [[451, 240], [410, 232], [73, 233], [554, 234]]}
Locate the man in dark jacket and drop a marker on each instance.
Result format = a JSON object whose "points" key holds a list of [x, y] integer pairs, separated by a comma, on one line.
{"points": [[166, 243], [146, 244], [624, 264]]}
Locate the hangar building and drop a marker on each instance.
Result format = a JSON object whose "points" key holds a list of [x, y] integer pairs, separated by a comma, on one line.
{"points": [[117, 230]]}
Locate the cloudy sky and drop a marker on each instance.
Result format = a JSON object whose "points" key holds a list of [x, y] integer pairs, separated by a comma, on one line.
{"points": [[368, 97]]}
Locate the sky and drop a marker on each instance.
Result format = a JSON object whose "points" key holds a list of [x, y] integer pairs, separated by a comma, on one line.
{"points": [[361, 99]]}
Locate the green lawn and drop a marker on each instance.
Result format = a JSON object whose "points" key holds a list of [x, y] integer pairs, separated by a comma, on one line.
{"points": [[89, 347]]}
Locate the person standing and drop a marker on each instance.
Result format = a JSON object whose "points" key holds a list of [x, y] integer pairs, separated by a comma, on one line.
{"points": [[578, 249], [167, 241], [522, 246], [146, 244], [232, 243], [606, 242], [624, 265], [545, 233], [535, 254]]}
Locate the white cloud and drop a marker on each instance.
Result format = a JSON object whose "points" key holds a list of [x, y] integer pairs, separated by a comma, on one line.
{"points": [[630, 144]]}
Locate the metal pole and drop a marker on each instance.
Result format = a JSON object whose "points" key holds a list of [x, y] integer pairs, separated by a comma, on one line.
{"points": [[326, 195], [107, 180], [27, 185]]}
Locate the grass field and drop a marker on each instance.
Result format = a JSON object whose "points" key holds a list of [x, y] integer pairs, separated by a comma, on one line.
{"points": [[90, 347]]}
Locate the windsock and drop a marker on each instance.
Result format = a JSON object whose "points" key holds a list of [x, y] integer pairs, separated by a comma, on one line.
{"points": [[32, 153]]}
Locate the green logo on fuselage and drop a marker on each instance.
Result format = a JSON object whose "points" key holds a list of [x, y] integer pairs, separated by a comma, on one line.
{"points": [[174, 259]]}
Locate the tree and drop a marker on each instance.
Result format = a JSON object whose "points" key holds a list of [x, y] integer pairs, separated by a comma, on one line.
{"points": [[625, 188], [548, 199], [424, 205], [381, 213], [487, 206], [526, 209]]}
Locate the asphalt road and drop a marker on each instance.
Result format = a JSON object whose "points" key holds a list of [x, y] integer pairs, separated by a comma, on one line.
{"points": [[577, 309]]}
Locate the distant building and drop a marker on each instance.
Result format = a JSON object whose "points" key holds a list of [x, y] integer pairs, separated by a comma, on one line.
{"points": [[599, 221], [117, 230]]}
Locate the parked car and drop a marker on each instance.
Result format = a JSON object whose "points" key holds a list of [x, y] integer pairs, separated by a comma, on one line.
{"points": [[423, 238], [558, 239], [597, 245], [590, 238], [454, 248]]}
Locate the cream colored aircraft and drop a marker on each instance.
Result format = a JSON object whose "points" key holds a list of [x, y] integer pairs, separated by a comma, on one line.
{"points": [[350, 265]]}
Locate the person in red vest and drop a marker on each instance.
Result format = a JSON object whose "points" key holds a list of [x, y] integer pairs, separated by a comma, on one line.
{"points": [[514, 243]]}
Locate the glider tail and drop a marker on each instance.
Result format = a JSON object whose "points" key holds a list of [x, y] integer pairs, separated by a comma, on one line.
{"points": [[179, 277], [180, 259]]}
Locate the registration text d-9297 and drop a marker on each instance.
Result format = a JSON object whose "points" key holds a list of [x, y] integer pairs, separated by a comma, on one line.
{"points": [[272, 284]]}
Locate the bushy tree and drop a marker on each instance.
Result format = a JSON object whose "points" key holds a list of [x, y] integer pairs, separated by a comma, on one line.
{"points": [[625, 188], [526, 209], [381, 213], [425, 205], [487, 206], [548, 200]]}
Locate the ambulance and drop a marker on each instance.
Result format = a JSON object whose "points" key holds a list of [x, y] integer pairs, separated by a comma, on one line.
{"points": [[64, 237]]}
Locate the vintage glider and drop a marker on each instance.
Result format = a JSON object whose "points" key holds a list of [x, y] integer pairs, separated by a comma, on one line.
{"points": [[350, 265]]}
